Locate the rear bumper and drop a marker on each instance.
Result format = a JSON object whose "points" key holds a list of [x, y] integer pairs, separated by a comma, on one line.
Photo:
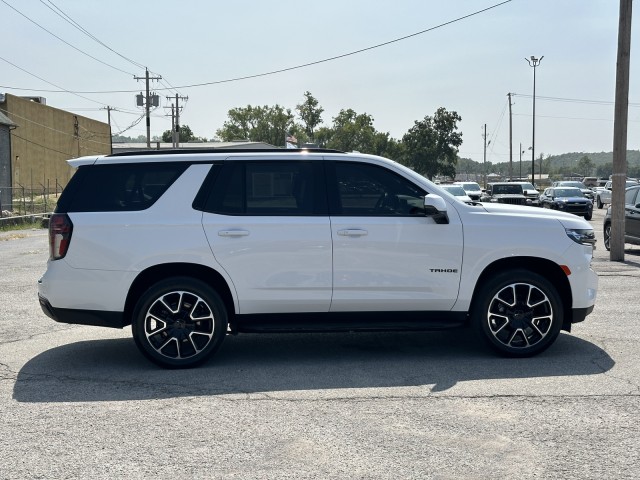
{"points": [[95, 318]]}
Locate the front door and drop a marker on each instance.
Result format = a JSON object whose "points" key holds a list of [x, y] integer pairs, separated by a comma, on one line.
{"points": [[387, 256]]}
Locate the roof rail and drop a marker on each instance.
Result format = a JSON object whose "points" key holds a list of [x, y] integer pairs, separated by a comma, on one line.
{"points": [[183, 151]]}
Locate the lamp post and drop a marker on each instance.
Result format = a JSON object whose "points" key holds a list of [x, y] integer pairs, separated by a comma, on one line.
{"points": [[534, 62]]}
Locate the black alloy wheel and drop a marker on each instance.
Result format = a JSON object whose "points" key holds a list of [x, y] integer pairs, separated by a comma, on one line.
{"points": [[179, 322], [607, 236], [518, 313]]}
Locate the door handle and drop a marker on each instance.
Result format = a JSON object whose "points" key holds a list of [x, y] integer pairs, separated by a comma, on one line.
{"points": [[353, 232], [233, 233]]}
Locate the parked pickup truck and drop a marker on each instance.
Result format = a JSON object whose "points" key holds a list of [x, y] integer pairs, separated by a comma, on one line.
{"points": [[603, 197]]}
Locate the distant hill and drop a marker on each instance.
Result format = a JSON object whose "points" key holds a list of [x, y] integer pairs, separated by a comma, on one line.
{"points": [[554, 164], [598, 158]]}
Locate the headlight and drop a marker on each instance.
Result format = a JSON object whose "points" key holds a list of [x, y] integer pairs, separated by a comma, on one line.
{"points": [[583, 236]]}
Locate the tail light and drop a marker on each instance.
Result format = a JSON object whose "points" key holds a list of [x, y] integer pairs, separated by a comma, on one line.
{"points": [[60, 229]]}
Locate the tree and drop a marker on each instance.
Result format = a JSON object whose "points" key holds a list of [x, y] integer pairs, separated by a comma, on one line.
{"points": [[258, 124], [352, 132], [585, 166], [311, 114], [431, 145], [185, 135]]}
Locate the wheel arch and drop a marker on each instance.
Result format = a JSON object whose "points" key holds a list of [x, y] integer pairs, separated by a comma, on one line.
{"points": [[152, 275], [543, 267]]}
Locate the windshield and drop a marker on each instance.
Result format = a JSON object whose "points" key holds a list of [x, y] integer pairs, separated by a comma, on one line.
{"points": [[507, 189], [471, 187], [573, 184], [456, 190], [568, 192]]}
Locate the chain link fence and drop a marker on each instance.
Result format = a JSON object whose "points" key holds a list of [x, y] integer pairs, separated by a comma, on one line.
{"points": [[23, 204]]}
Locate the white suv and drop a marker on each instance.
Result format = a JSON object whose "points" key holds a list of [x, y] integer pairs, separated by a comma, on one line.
{"points": [[189, 246]]}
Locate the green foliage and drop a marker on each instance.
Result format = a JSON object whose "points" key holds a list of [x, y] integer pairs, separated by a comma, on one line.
{"points": [[125, 139], [185, 135], [585, 166], [258, 124], [310, 114], [352, 132], [431, 145]]}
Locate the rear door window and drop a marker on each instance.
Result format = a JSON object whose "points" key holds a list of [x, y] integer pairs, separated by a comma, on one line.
{"points": [[278, 188]]}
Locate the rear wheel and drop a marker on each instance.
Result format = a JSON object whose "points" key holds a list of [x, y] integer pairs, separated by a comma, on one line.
{"points": [[518, 313], [607, 236], [179, 322]]}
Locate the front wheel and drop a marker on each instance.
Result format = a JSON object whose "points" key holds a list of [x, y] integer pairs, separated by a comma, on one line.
{"points": [[179, 322], [599, 203], [518, 313], [588, 215]]}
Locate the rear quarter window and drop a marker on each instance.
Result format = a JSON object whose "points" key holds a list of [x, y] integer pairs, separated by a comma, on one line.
{"points": [[116, 188]]}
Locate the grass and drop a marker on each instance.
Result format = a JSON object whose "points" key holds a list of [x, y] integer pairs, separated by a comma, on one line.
{"points": [[29, 223]]}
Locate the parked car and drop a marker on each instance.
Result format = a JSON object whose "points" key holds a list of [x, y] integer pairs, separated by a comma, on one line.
{"points": [[188, 246], [587, 192], [631, 218], [603, 197], [567, 199], [458, 192], [505, 192], [530, 192], [473, 190]]}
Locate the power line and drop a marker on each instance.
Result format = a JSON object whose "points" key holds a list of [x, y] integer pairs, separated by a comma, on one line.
{"points": [[63, 41], [47, 81], [76, 25], [300, 66], [573, 100]]}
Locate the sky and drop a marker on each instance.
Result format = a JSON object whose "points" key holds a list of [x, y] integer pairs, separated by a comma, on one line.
{"points": [[467, 65]]}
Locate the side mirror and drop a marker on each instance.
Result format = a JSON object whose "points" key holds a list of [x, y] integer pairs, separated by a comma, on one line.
{"points": [[436, 207]]}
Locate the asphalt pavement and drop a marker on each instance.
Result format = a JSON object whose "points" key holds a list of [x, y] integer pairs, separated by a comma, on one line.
{"points": [[81, 402]]}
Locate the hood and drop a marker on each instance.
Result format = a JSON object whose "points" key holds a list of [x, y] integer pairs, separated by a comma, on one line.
{"points": [[567, 219]]}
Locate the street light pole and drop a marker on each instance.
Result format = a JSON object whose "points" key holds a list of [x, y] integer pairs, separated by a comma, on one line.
{"points": [[521, 152], [534, 62]]}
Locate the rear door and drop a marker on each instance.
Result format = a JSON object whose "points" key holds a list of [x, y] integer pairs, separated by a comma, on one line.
{"points": [[387, 256], [267, 225], [632, 213]]}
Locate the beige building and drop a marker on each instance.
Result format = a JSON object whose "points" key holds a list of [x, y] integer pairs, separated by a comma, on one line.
{"points": [[41, 140]]}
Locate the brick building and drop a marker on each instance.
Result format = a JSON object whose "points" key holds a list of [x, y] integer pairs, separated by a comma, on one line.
{"points": [[36, 140]]}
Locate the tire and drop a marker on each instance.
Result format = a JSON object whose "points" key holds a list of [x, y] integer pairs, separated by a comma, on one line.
{"points": [[588, 215], [518, 313], [179, 322], [607, 236], [599, 202]]}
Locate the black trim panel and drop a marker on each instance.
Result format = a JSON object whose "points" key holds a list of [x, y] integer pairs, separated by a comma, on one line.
{"points": [[348, 321], [579, 314], [96, 318]]}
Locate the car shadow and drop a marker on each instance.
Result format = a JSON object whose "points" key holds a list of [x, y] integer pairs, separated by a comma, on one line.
{"points": [[114, 370]]}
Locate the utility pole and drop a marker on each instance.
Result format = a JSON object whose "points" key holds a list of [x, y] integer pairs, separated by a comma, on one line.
{"points": [[108, 109], [484, 161], [521, 152], [147, 103], [621, 115], [510, 141], [175, 126], [534, 62]]}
